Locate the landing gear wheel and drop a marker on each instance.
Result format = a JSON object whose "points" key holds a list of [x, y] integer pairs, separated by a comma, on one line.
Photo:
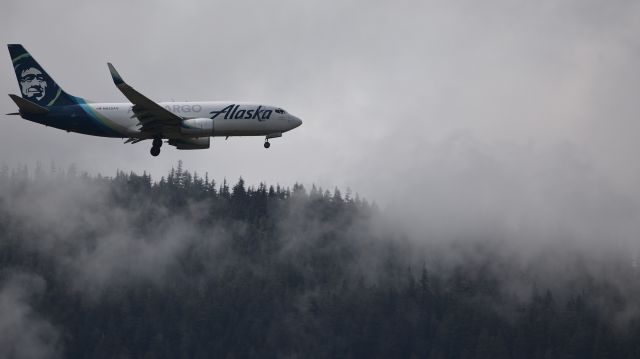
{"points": [[267, 145], [155, 147]]}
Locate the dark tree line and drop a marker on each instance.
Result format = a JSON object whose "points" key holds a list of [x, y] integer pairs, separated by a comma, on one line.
{"points": [[289, 278]]}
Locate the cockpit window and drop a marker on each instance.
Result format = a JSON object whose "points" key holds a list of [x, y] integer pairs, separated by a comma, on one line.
{"points": [[279, 110]]}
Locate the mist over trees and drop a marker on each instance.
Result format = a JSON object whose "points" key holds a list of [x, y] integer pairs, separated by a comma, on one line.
{"points": [[192, 267]]}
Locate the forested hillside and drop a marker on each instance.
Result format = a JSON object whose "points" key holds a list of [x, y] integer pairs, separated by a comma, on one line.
{"points": [[187, 267]]}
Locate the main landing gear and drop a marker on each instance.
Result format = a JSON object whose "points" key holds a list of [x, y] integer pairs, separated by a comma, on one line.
{"points": [[267, 144], [155, 147]]}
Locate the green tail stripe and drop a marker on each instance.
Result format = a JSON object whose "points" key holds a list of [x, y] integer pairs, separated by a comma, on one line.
{"points": [[55, 98], [18, 58]]}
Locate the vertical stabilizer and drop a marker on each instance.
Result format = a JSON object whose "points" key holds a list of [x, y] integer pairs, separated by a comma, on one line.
{"points": [[35, 83]]}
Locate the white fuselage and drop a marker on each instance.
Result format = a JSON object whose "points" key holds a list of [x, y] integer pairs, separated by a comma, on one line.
{"points": [[202, 119]]}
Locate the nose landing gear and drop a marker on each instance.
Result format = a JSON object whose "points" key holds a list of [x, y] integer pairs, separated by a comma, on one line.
{"points": [[269, 136], [155, 147]]}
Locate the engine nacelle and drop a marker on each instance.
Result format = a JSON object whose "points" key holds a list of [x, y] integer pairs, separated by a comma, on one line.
{"points": [[197, 127], [198, 143]]}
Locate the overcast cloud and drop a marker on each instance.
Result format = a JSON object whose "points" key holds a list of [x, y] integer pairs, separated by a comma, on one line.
{"points": [[516, 114]]}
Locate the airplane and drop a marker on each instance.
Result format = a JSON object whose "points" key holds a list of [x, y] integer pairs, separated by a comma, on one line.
{"points": [[185, 125]]}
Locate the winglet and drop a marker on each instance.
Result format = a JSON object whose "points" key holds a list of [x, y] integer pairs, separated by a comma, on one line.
{"points": [[117, 79]]}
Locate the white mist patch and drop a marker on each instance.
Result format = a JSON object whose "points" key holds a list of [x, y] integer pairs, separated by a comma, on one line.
{"points": [[465, 188], [24, 335], [96, 243]]}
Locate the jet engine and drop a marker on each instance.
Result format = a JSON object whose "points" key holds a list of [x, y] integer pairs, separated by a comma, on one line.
{"points": [[197, 127], [197, 143]]}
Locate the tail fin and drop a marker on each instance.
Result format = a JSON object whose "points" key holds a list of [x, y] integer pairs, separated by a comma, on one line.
{"points": [[35, 83]]}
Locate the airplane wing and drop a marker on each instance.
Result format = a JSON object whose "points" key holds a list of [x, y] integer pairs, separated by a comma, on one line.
{"points": [[154, 120]]}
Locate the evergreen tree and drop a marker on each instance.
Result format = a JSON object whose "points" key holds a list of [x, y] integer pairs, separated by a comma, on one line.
{"points": [[176, 269]]}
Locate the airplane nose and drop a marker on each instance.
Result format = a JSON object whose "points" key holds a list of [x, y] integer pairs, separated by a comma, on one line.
{"points": [[296, 122]]}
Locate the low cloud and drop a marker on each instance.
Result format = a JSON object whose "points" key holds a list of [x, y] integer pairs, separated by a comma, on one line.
{"points": [[25, 334]]}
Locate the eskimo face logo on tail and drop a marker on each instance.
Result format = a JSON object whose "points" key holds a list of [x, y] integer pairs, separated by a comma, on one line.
{"points": [[33, 84]]}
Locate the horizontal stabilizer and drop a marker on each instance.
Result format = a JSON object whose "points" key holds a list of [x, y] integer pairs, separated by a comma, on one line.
{"points": [[27, 106]]}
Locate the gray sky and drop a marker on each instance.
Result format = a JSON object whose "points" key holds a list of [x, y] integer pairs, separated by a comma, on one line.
{"points": [[386, 90], [512, 119]]}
